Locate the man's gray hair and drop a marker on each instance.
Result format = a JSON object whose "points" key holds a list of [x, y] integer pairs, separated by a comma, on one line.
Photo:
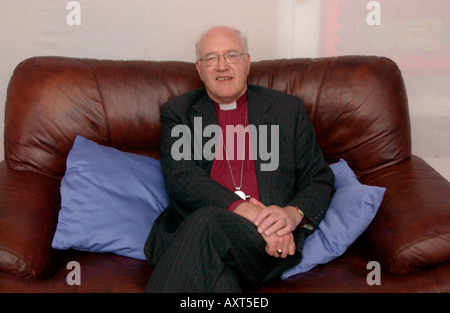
{"points": [[241, 35]]}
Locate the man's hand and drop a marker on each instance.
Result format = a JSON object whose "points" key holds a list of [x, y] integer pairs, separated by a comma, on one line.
{"points": [[249, 210], [275, 243], [276, 220], [281, 240]]}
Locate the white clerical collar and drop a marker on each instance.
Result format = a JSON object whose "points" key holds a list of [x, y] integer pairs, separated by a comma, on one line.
{"points": [[227, 107]]}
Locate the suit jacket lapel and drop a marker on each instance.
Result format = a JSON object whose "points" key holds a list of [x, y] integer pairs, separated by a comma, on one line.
{"points": [[205, 109]]}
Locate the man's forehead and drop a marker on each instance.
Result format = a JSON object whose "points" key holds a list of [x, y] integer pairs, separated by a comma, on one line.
{"points": [[220, 41]]}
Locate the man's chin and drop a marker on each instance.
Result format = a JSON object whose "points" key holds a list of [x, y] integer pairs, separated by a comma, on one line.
{"points": [[225, 96]]}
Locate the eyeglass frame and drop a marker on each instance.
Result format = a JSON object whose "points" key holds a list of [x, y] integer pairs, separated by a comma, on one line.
{"points": [[202, 59]]}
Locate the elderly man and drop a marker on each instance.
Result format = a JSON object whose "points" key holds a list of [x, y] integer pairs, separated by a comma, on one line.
{"points": [[233, 223]]}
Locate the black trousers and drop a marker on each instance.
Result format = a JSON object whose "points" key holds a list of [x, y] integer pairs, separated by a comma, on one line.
{"points": [[215, 250]]}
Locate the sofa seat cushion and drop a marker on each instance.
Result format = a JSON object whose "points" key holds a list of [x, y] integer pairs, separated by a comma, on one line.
{"points": [[100, 273], [349, 274]]}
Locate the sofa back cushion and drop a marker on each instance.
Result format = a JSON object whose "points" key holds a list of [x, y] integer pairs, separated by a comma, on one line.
{"points": [[357, 105]]}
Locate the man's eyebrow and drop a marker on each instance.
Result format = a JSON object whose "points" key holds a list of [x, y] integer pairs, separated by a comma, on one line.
{"points": [[226, 51]]}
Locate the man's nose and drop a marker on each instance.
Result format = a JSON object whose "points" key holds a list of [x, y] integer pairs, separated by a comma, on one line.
{"points": [[221, 63]]}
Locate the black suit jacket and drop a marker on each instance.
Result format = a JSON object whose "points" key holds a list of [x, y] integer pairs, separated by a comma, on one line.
{"points": [[302, 178]]}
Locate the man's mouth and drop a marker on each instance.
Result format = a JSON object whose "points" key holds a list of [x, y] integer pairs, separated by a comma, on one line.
{"points": [[223, 78]]}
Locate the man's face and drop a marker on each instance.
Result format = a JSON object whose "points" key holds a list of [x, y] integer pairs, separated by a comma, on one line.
{"points": [[224, 82]]}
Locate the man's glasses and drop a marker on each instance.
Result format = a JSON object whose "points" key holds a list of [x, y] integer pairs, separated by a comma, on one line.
{"points": [[231, 57]]}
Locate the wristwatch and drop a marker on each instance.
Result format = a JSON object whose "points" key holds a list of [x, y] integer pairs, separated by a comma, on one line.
{"points": [[304, 219]]}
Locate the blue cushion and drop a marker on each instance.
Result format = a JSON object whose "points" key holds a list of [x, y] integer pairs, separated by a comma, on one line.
{"points": [[109, 200], [352, 208]]}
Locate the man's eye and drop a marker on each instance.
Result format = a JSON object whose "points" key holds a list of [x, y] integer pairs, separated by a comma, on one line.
{"points": [[210, 57], [232, 55]]}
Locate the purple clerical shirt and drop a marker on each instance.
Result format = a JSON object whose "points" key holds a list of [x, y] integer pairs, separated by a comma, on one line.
{"points": [[229, 116]]}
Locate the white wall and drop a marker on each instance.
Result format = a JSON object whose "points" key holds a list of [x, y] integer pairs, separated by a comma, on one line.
{"points": [[167, 30]]}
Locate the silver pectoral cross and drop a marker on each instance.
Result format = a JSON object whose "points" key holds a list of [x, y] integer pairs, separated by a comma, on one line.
{"points": [[241, 194]]}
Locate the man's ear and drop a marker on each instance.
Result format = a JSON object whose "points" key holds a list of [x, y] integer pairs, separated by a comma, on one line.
{"points": [[248, 64]]}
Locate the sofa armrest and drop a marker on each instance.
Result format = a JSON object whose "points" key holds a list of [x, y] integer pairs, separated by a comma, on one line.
{"points": [[411, 230], [29, 206]]}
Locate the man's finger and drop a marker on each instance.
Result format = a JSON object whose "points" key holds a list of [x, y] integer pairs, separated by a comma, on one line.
{"points": [[265, 212], [256, 202]]}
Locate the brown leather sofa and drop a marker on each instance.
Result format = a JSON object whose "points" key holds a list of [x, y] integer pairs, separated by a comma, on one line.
{"points": [[357, 104]]}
